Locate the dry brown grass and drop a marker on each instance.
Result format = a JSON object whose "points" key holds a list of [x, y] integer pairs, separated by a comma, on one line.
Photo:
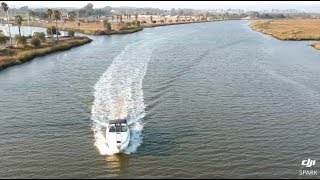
{"points": [[97, 28], [21, 55], [91, 28], [292, 29], [94, 28], [70, 25]]}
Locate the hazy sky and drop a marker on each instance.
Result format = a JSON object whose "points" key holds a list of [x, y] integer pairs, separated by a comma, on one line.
{"points": [[174, 4]]}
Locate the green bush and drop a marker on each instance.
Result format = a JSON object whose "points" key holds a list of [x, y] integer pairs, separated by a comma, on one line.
{"points": [[21, 39], [54, 30], [40, 35], [71, 33], [137, 23], [4, 39], [35, 41], [107, 25]]}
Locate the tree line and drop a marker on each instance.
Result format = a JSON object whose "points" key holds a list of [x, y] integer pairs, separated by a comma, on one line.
{"points": [[90, 11], [37, 37]]}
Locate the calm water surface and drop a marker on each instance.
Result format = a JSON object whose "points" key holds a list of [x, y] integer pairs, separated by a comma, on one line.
{"points": [[212, 100]]}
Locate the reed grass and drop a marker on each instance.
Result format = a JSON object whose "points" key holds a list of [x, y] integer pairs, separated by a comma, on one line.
{"points": [[290, 29]]}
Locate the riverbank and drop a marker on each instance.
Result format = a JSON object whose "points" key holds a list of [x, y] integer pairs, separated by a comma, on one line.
{"points": [[290, 29], [17, 55], [148, 25], [97, 28], [103, 32]]}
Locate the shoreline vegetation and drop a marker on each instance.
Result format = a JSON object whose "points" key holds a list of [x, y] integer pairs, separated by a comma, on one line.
{"points": [[36, 44], [10, 56], [290, 29], [89, 31], [97, 29]]}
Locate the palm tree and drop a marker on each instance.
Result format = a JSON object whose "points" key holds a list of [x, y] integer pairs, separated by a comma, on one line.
{"points": [[50, 14], [5, 8], [136, 16], [57, 16], [29, 23], [18, 20]]}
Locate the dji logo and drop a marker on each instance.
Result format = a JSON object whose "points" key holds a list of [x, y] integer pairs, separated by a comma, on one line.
{"points": [[308, 163]]}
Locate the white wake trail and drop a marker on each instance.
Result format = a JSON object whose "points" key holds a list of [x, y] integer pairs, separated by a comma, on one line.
{"points": [[118, 94]]}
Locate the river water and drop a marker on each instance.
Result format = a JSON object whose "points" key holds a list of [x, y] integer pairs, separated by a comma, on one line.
{"points": [[206, 100]]}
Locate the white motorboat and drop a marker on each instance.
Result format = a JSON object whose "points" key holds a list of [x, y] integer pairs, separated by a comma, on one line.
{"points": [[117, 135]]}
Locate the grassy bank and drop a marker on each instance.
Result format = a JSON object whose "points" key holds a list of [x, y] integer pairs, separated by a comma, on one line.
{"points": [[87, 28], [97, 28], [125, 31], [13, 56], [103, 32], [290, 29]]}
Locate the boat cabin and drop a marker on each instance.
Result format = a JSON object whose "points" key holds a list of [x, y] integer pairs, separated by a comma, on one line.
{"points": [[119, 125]]}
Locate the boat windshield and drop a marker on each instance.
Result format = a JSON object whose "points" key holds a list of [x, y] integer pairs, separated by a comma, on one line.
{"points": [[112, 129], [122, 128]]}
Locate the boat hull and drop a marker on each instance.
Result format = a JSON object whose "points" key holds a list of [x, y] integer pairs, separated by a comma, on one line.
{"points": [[118, 147]]}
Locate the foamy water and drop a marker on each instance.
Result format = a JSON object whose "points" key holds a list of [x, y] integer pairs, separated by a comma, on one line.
{"points": [[119, 95]]}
